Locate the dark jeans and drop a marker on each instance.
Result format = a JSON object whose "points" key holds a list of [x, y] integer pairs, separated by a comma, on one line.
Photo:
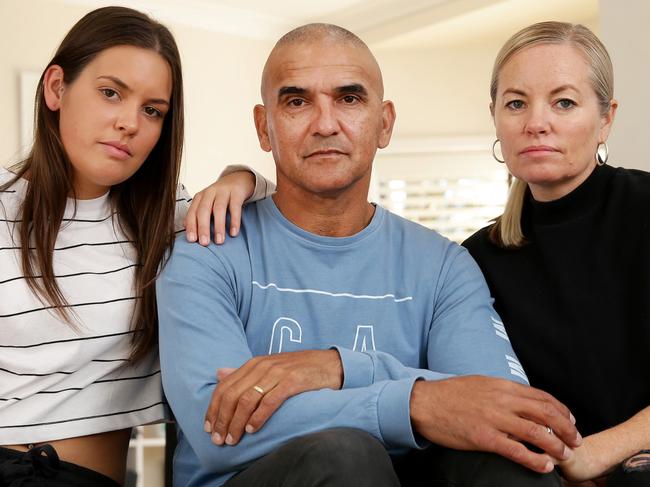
{"points": [[353, 458], [336, 458], [442, 467], [41, 467]]}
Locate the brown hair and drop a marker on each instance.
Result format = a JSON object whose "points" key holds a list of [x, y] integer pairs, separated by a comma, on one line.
{"points": [[506, 231], [145, 202]]}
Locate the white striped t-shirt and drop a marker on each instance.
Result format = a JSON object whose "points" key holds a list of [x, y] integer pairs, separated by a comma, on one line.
{"points": [[57, 381]]}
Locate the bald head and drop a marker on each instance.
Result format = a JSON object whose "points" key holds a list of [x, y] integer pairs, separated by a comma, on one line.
{"points": [[323, 36], [319, 31]]}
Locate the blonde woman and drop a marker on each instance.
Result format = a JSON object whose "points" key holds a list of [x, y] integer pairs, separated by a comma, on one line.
{"points": [[568, 261]]}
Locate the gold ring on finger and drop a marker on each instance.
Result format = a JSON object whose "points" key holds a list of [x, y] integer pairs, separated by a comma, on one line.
{"points": [[261, 391]]}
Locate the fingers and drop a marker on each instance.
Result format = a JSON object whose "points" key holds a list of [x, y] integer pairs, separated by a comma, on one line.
{"points": [[235, 398], [211, 413], [207, 205], [226, 409], [245, 407], [548, 411], [517, 452], [226, 377], [190, 219], [213, 407], [254, 410], [530, 432], [234, 208], [269, 404]]}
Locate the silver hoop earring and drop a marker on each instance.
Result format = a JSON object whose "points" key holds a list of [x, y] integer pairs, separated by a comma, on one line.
{"points": [[602, 153], [494, 154]]}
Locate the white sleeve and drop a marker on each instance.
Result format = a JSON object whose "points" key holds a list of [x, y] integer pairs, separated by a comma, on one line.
{"points": [[263, 187], [183, 200]]}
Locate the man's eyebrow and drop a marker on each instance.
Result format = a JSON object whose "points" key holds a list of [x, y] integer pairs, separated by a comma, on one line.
{"points": [[354, 88], [291, 90], [124, 86]]}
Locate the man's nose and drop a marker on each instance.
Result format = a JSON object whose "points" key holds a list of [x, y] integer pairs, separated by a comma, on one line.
{"points": [[325, 122]]}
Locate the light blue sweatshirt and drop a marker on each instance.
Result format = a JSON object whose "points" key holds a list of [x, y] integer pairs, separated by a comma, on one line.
{"points": [[398, 301]]}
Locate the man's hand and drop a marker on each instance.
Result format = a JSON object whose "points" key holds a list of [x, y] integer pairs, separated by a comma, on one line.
{"points": [[245, 398], [494, 415], [226, 194]]}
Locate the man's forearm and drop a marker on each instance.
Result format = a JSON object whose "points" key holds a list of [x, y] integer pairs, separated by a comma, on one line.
{"points": [[381, 410]]}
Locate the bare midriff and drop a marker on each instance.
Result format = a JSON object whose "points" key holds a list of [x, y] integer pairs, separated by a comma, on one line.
{"points": [[104, 452]]}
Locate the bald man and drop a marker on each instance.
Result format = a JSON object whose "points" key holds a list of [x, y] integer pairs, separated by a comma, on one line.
{"points": [[335, 331]]}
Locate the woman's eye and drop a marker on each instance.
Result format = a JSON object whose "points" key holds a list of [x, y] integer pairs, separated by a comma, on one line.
{"points": [[109, 93], [152, 112], [566, 103], [515, 104]]}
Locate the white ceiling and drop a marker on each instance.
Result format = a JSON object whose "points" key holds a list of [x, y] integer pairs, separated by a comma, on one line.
{"points": [[384, 23]]}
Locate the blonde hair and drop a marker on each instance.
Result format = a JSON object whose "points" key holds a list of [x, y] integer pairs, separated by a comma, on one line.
{"points": [[507, 232]]}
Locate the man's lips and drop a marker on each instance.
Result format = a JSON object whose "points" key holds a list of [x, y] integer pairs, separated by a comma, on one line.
{"points": [[325, 152], [120, 151]]}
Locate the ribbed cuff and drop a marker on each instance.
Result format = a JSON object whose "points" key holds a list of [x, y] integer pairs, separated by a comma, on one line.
{"points": [[394, 415], [358, 370]]}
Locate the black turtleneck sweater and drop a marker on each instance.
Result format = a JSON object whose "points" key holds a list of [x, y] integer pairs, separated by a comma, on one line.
{"points": [[576, 299]]}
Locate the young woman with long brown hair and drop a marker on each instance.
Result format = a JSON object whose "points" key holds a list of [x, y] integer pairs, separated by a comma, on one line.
{"points": [[85, 222]]}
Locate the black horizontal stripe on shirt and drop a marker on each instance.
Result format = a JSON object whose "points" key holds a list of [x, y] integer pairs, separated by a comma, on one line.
{"points": [[101, 381], [189, 200], [102, 273], [84, 417], [78, 220], [70, 340], [76, 305], [35, 375], [96, 244], [8, 191], [13, 372]]}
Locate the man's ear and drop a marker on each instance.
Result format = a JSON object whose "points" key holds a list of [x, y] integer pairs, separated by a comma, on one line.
{"points": [[53, 87], [387, 122], [259, 114]]}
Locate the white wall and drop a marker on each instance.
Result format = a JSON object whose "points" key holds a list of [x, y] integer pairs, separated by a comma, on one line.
{"points": [[624, 27], [439, 91]]}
